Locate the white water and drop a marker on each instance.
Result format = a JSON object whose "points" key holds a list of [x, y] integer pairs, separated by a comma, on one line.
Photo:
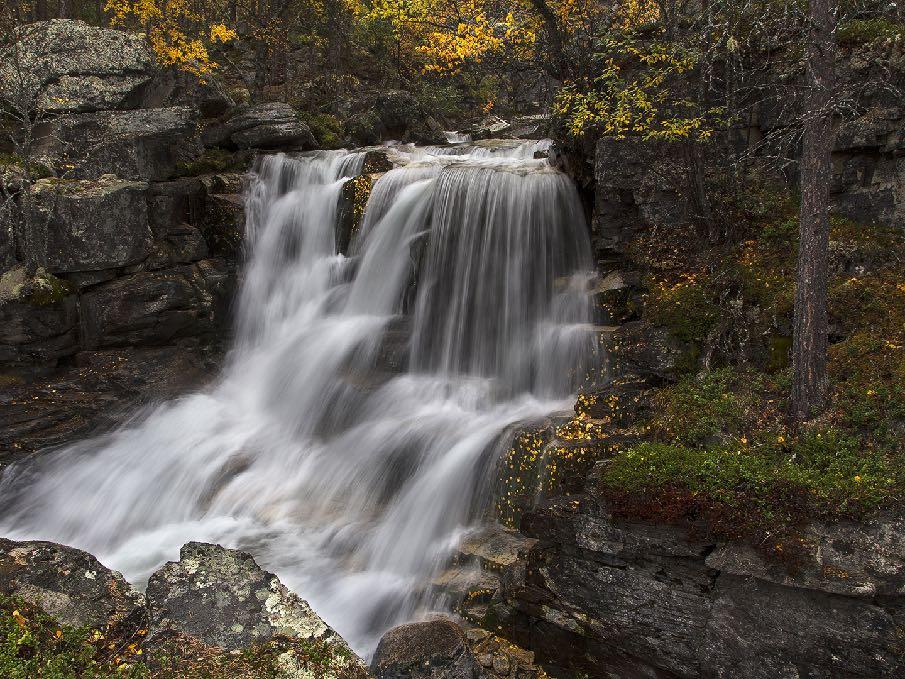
{"points": [[350, 482]]}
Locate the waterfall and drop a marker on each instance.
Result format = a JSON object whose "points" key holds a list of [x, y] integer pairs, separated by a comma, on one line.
{"points": [[352, 481]]}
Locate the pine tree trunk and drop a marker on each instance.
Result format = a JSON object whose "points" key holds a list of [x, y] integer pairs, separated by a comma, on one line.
{"points": [[810, 323]]}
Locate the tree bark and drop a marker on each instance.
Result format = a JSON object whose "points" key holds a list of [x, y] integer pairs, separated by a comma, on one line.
{"points": [[809, 340]]}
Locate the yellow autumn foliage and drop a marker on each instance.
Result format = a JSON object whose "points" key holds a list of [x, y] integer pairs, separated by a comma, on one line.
{"points": [[178, 34]]}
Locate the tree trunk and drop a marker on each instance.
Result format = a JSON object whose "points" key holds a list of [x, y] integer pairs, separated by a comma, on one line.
{"points": [[810, 323]]}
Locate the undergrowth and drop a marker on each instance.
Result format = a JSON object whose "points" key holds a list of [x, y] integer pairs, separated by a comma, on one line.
{"points": [[717, 451]]}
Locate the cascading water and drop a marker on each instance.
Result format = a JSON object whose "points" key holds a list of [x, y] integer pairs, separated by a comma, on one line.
{"points": [[352, 482]]}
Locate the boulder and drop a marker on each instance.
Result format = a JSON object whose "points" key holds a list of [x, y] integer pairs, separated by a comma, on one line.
{"points": [[63, 65], [364, 129], [142, 144], [156, 307], [491, 126], [223, 598], [436, 649], [93, 224], [38, 320], [399, 112], [268, 125], [70, 585]]}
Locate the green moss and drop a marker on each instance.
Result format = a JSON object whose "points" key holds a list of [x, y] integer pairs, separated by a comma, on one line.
{"points": [[757, 489], [685, 307], [709, 408], [212, 161], [46, 289], [34, 646], [38, 170], [326, 128], [864, 31]]}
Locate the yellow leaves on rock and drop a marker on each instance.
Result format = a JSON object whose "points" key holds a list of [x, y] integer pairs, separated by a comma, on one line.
{"points": [[177, 33]]}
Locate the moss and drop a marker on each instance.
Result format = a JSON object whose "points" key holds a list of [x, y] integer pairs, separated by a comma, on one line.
{"points": [[757, 490], [685, 307], [45, 289], [38, 170], [709, 408], [212, 161], [865, 31], [33, 645], [326, 128], [184, 657]]}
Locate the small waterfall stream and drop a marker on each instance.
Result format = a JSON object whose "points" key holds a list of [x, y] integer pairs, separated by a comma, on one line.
{"points": [[350, 481]]}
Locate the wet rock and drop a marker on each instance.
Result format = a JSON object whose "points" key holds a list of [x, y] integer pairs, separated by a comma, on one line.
{"points": [[269, 125], [141, 144], [70, 585], [223, 598], [638, 183], [491, 126], [855, 559], [425, 650], [762, 631], [94, 224], [224, 224], [64, 65], [95, 395], [399, 112], [156, 307], [364, 128]]}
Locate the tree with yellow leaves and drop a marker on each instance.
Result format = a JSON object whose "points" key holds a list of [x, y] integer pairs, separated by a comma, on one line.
{"points": [[179, 33]]}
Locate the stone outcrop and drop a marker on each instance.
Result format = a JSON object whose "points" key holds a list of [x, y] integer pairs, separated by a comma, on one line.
{"points": [[222, 597], [144, 144], [156, 307], [64, 65], [133, 247], [436, 649], [269, 125], [69, 584], [625, 599], [94, 224], [212, 602]]}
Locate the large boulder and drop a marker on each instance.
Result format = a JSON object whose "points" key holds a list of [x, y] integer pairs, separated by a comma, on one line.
{"points": [[93, 224], [70, 585], [142, 144], [436, 649], [268, 125], [157, 307], [222, 598], [64, 65]]}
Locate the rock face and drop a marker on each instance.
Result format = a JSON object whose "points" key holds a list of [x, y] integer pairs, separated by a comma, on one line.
{"points": [[268, 125], [69, 584], [223, 598], [64, 65], [155, 307], [643, 600], [130, 252], [148, 144], [94, 224], [425, 650]]}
